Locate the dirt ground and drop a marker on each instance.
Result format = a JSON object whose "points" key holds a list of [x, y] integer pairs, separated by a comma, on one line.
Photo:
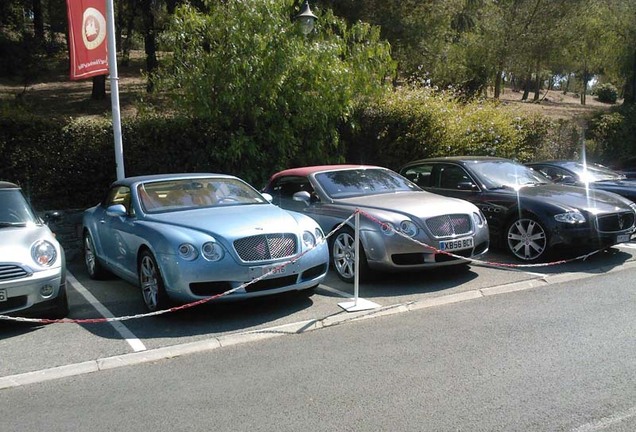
{"points": [[55, 95], [554, 104]]}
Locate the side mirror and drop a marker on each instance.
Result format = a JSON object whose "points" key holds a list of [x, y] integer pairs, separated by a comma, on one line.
{"points": [[302, 196], [117, 210], [567, 179], [52, 216], [267, 196], [466, 186]]}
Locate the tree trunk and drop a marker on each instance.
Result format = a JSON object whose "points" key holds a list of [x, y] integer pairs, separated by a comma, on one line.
{"points": [[585, 79], [630, 91], [150, 42], [537, 84], [567, 84], [498, 84], [526, 88], [38, 22], [128, 17], [99, 87]]}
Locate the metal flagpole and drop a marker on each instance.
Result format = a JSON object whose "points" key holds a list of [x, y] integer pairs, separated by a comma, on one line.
{"points": [[114, 89]]}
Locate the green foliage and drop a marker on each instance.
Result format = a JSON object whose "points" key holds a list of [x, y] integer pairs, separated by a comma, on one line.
{"points": [[606, 93], [613, 134], [245, 67], [414, 123]]}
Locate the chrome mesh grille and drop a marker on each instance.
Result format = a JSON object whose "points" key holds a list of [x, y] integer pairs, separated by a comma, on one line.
{"points": [[449, 225], [12, 271], [615, 222], [266, 246]]}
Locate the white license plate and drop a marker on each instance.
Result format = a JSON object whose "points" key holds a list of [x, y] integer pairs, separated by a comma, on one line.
{"points": [[623, 238], [3, 295], [276, 270], [457, 244]]}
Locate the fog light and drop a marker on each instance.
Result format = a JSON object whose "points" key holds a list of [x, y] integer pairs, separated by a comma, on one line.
{"points": [[46, 291]]}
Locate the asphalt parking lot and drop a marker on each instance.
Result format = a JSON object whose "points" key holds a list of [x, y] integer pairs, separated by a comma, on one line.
{"points": [[32, 352]]}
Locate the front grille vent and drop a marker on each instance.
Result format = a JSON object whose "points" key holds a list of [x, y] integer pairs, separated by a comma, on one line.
{"points": [[449, 225], [615, 222], [266, 247], [12, 271]]}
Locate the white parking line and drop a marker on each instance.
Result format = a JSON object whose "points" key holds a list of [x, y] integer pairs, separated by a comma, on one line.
{"points": [[606, 422], [335, 291], [630, 245], [136, 344]]}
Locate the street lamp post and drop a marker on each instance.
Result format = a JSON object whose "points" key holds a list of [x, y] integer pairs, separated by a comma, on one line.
{"points": [[306, 19]]}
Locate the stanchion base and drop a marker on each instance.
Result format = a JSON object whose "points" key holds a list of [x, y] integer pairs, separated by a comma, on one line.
{"points": [[360, 305]]}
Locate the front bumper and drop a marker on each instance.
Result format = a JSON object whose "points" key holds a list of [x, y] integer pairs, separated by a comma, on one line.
{"points": [[188, 281], [396, 253], [588, 237], [24, 295]]}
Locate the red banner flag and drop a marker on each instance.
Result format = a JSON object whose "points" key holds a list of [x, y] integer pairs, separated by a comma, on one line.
{"points": [[87, 38]]}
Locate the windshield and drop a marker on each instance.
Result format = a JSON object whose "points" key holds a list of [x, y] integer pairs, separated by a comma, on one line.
{"points": [[507, 174], [359, 181], [15, 210], [184, 194], [593, 172]]}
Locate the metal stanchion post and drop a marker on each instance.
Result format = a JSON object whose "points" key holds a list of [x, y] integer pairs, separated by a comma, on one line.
{"points": [[357, 304]]}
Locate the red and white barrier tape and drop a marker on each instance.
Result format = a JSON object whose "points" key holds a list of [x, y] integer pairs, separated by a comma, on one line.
{"points": [[282, 265], [179, 307], [475, 261]]}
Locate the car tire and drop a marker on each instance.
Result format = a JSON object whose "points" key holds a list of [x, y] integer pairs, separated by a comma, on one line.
{"points": [[527, 239], [153, 291], [93, 266], [342, 252]]}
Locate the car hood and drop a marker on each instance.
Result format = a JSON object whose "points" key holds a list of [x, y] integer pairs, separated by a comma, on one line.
{"points": [[17, 241], [592, 200], [620, 186], [420, 204], [235, 221]]}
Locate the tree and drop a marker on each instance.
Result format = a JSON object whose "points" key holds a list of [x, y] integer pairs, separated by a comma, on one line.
{"points": [[246, 67]]}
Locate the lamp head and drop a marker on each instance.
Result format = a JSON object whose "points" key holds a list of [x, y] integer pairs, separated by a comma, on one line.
{"points": [[306, 18]]}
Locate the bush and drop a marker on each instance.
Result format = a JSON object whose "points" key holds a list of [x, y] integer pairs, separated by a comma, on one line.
{"points": [[613, 134], [418, 123], [606, 93]]}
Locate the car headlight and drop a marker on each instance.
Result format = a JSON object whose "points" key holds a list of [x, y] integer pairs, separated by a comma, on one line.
{"points": [[188, 252], [633, 206], [319, 235], [479, 219], [571, 217], [308, 239], [387, 228], [408, 228], [212, 251], [44, 253]]}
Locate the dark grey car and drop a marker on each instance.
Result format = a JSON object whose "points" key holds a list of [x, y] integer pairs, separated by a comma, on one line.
{"points": [[587, 175]]}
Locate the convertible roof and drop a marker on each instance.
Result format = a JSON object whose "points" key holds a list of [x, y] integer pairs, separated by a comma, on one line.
{"points": [[308, 170], [8, 185]]}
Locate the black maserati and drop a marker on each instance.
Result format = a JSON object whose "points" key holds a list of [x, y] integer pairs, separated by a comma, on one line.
{"points": [[527, 213]]}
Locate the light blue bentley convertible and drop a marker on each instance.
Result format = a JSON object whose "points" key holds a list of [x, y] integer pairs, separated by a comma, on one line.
{"points": [[187, 237]]}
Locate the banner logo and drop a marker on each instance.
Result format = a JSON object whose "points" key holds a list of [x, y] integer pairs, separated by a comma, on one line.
{"points": [[94, 25]]}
